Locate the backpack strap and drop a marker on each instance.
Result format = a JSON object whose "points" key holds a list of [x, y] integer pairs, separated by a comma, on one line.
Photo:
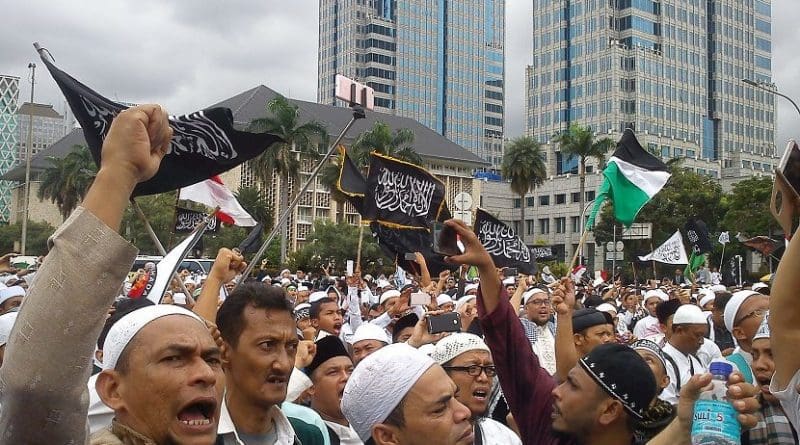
{"points": [[677, 372]]}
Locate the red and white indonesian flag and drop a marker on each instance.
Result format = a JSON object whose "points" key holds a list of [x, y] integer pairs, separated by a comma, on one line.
{"points": [[213, 193]]}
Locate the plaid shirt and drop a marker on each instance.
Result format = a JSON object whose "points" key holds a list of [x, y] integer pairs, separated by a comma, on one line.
{"points": [[773, 428]]}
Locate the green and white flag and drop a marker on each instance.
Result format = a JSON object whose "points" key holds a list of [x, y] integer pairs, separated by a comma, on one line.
{"points": [[631, 179]]}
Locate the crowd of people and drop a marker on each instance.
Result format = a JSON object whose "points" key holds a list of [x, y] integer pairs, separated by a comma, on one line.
{"points": [[319, 359]]}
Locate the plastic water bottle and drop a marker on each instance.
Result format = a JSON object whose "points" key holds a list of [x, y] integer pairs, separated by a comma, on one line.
{"points": [[714, 421]]}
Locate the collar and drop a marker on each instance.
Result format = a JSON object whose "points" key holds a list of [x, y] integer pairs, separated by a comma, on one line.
{"points": [[748, 357], [346, 434], [128, 436], [284, 429]]}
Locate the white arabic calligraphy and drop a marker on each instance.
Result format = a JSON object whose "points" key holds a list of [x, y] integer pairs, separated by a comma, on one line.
{"points": [[500, 240], [186, 221], [197, 134], [403, 192]]}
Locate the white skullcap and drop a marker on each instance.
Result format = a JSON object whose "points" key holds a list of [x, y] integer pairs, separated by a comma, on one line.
{"points": [[531, 292], [508, 281], [6, 323], [379, 383], [11, 292], [266, 278], [302, 288], [607, 307], [316, 296], [456, 344], [391, 293], [759, 286], [179, 298], [189, 280], [285, 271], [369, 331], [470, 287], [718, 288], [598, 281], [689, 314], [123, 331], [762, 332], [707, 297], [734, 304], [464, 300], [382, 283], [443, 299], [657, 293], [285, 281]]}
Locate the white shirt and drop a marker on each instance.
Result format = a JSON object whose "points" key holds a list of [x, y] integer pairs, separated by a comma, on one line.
{"points": [[495, 433], [646, 327], [347, 435], [100, 415], [687, 367], [789, 398], [545, 349], [284, 430]]}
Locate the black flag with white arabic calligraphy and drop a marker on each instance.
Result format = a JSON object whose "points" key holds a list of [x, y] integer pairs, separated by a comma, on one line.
{"points": [[506, 248], [204, 143], [187, 220], [403, 195], [395, 243]]}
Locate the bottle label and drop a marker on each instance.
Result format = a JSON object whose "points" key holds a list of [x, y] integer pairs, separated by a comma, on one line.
{"points": [[715, 418]]}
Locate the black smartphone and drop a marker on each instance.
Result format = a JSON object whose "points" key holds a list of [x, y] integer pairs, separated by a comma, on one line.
{"points": [[510, 272], [445, 240], [448, 322], [790, 165], [411, 256]]}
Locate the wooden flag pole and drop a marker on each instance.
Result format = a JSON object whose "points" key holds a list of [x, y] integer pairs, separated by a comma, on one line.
{"points": [[358, 113], [360, 238], [578, 250]]}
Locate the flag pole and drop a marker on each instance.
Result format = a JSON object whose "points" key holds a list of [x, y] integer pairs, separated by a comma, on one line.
{"points": [[358, 113], [360, 237], [578, 250], [154, 238], [722, 258]]}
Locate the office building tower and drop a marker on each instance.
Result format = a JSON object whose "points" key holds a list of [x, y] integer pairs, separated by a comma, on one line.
{"points": [[9, 97], [671, 70], [439, 62], [48, 127]]}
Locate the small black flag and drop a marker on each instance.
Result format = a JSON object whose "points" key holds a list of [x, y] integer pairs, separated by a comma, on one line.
{"points": [[351, 182], [395, 243], [506, 248], [186, 220], [253, 240], [697, 232], [204, 143]]}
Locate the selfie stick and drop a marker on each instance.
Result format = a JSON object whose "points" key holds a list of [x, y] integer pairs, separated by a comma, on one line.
{"points": [[358, 113]]}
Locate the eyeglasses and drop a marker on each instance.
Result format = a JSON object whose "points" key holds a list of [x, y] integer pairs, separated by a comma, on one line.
{"points": [[756, 313], [474, 370]]}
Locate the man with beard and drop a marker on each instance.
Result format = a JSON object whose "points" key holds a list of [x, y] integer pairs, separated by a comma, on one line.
{"points": [[329, 371], [773, 426], [468, 362]]}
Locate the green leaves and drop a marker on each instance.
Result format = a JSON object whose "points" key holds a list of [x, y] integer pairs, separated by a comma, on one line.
{"points": [[67, 180], [523, 165]]}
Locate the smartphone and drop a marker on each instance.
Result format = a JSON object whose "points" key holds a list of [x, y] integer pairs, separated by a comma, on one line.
{"points": [[448, 322], [510, 272], [790, 165], [354, 93], [419, 299], [445, 240], [410, 256], [350, 268]]}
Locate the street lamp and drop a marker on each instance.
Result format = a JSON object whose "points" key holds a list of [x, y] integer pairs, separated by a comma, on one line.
{"points": [[770, 87], [28, 153]]}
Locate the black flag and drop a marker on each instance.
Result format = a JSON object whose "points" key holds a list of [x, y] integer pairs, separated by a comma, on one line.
{"points": [[403, 195], [506, 248], [697, 232], [186, 220], [395, 243], [253, 240], [351, 182], [204, 143]]}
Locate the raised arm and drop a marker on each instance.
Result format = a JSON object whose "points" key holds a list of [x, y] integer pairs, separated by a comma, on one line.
{"points": [[784, 315], [48, 356], [564, 303], [522, 286], [225, 268]]}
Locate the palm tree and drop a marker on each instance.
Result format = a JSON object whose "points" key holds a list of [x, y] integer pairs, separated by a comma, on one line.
{"points": [[523, 165], [299, 142], [381, 138], [66, 181], [253, 201], [578, 141]]}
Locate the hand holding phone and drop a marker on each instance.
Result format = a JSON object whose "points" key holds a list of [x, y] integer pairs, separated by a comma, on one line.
{"points": [[447, 322], [445, 240]]}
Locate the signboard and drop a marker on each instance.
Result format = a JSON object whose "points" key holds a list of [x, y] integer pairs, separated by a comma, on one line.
{"points": [[615, 256], [638, 231]]}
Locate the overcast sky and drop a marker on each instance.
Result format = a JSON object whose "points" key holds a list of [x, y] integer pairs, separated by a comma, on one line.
{"points": [[188, 54]]}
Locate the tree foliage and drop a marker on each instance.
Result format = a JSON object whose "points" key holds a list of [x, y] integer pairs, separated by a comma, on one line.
{"points": [[67, 180], [335, 243], [523, 165], [748, 208], [36, 241]]}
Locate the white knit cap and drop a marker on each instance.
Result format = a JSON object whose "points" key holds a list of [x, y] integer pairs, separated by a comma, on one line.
{"points": [[454, 345], [369, 331], [6, 323], [658, 293], [531, 292], [123, 331], [607, 307], [464, 300], [11, 292], [762, 332], [379, 383], [179, 298], [707, 297], [316, 296], [391, 293], [759, 286], [302, 288], [443, 299], [689, 314], [509, 281], [382, 283], [718, 288], [471, 287], [734, 304]]}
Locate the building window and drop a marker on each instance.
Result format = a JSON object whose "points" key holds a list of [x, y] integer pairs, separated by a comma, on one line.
{"points": [[561, 224], [576, 197], [529, 201], [529, 227], [590, 196], [517, 203], [561, 198], [544, 200], [516, 226], [544, 226], [666, 151], [573, 222]]}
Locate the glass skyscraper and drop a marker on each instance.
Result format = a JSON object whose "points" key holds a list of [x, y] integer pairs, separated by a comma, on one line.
{"points": [[9, 97], [440, 62], [671, 70]]}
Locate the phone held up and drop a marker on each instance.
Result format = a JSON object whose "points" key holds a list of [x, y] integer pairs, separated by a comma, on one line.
{"points": [[445, 240], [447, 322]]}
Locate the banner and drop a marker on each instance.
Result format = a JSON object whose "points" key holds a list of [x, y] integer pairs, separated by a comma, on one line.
{"points": [[724, 238], [542, 252], [762, 244], [403, 195], [671, 252], [395, 243], [187, 220], [351, 182], [697, 233], [506, 248], [204, 143]]}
